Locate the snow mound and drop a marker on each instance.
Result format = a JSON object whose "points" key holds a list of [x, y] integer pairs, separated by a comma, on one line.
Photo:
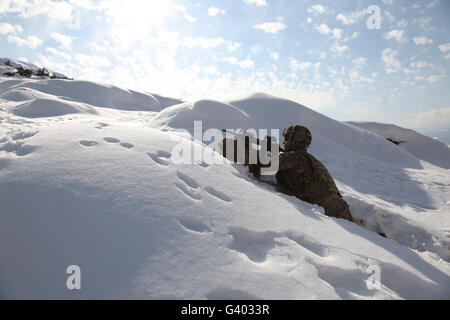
{"points": [[50, 108], [422, 147], [51, 98], [213, 114], [262, 111], [96, 94], [30, 103]]}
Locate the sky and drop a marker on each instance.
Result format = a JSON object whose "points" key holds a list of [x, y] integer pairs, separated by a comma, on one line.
{"points": [[368, 60]]}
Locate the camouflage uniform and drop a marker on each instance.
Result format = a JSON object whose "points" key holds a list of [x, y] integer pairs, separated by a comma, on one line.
{"points": [[302, 175]]}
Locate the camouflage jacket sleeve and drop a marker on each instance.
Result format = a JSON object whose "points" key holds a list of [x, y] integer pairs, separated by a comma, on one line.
{"points": [[288, 160]]}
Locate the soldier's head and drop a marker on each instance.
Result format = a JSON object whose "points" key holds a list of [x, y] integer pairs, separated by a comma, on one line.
{"points": [[296, 138]]}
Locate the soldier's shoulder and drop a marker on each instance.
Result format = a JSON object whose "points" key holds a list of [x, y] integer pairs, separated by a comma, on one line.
{"points": [[318, 165], [291, 156], [289, 160]]}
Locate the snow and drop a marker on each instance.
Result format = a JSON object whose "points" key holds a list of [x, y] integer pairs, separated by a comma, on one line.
{"points": [[10, 65], [422, 147], [88, 177]]}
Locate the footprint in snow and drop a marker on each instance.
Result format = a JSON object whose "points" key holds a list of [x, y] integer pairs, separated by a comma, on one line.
{"points": [[191, 193], [193, 225], [127, 145], [160, 157], [187, 180], [88, 143], [111, 140], [188, 185], [217, 194], [101, 125]]}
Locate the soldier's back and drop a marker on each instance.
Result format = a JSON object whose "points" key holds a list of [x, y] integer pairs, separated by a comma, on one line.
{"points": [[302, 175]]}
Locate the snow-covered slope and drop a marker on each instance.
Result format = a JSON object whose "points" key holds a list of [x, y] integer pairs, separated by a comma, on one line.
{"points": [[96, 186], [11, 67], [422, 147]]}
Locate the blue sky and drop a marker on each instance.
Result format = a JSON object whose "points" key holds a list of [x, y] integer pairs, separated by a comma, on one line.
{"points": [[328, 55]]}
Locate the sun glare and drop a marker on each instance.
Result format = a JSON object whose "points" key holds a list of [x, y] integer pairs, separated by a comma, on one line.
{"points": [[136, 17]]}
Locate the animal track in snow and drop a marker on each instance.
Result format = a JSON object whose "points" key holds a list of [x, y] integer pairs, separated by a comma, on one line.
{"points": [[17, 147], [88, 143], [127, 145], [254, 244], [257, 244], [20, 135], [111, 140], [308, 244], [188, 186], [187, 180], [218, 194], [160, 157], [193, 225], [101, 125], [191, 193], [204, 165]]}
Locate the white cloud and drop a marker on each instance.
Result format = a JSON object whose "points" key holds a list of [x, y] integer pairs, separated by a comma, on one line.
{"points": [[275, 55], [27, 8], [9, 28], [433, 3], [317, 9], [86, 4], [339, 49], [64, 40], [389, 57], [92, 61], [258, 3], [422, 40], [402, 23], [425, 23], [323, 28], [389, 16], [445, 47], [245, 64], [396, 34], [435, 78], [204, 43], [58, 53], [351, 17], [186, 15], [295, 65], [419, 64], [356, 77], [212, 70], [213, 11], [233, 46], [31, 42], [360, 62], [433, 118], [208, 43], [271, 27], [335, 33]]}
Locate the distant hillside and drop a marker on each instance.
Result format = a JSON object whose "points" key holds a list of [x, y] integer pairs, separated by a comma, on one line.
{"points": [[13, 68]]}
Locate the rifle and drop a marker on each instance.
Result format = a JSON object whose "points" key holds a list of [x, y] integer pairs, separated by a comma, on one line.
{"points": [[248, 139]]}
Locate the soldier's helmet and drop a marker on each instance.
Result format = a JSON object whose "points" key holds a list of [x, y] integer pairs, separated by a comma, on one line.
{"points": [[297, 133]]}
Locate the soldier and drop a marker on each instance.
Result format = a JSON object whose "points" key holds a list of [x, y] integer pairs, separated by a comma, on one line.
{"points": [[302, 175]]}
